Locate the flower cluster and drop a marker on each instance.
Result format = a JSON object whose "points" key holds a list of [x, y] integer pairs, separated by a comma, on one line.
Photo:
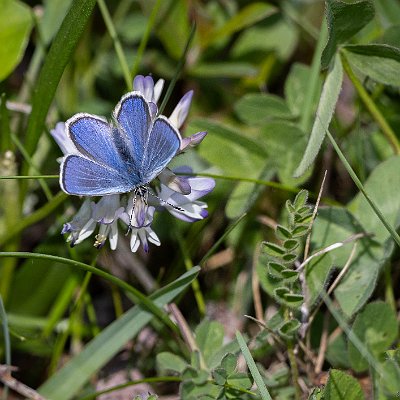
{"points": [[178, 194]]}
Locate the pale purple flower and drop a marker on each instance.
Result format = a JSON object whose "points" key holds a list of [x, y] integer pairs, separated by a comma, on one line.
{"points": [[186, 207], [65, 143], [81, 226], [106, 212], [181, 110], [139, 219], [178, 194]]}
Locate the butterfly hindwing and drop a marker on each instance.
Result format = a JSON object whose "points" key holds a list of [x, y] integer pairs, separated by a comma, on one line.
{"points": [[84, 177]]}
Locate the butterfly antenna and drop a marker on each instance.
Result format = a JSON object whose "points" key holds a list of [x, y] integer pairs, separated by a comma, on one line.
{"points": [[166, 202]]}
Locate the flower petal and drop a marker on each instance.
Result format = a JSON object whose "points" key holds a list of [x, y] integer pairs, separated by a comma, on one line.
{"points": [[181, 111]]}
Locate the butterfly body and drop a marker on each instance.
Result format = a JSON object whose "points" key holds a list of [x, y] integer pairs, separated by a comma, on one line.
{"points": [[117, 158]]}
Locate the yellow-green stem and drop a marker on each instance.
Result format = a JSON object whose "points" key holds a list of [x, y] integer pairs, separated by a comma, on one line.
{"points": [[371, 106], [117, 44]]}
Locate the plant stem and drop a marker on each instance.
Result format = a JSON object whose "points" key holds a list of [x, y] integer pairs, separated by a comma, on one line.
{"points": [[294, 370], [145, 37], [360, 186], [371, 106], [117, 44]]}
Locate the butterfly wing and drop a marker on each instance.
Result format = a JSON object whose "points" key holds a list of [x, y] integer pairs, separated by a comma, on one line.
{"points": [[152, 145], [163, 143], [84, 177], [103, 153], [132, 115]]}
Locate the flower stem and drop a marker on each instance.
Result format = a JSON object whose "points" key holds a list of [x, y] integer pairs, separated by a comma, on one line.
{"points": [[145, 37], [117, 44], [294, 370], [371, 106]]}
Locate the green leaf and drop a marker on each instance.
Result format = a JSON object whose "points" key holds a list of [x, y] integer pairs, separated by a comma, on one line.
{"points": [[277, 34], [256, 109], [380, 62], [275, 269], [273, 249], [341, 386], [290, 276], [326, 108], [289, 329], [283, 233], [209, 338], [170, 362], [290, 244], [220, 376], [240, 380], [285, 143], [229, 363], [294, 300], [300, 201], [67, 381], [15, 26], [360, 281], [253, 368], [56, 60], [247, 16], [225, 70], [344, 21], [296, 86], [376, 327], [317, 275]]}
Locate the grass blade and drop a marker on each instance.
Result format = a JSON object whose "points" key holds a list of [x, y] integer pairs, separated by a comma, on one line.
{"points": [[65, 384], [138, 296], [55, 62], [253, 368]]}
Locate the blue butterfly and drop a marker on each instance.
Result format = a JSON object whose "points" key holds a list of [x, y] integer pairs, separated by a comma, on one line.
{"points": [[120, 157]]}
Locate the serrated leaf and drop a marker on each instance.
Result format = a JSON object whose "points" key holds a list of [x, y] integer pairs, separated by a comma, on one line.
{"points": [[342, 386], [326, 108], [380, 62], [344, 21], [257, 109], [376, 327], [15, 25]]}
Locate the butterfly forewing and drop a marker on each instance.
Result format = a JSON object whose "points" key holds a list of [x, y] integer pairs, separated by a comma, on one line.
{"points": [[92, 136], [133, 119], [163, 143]]}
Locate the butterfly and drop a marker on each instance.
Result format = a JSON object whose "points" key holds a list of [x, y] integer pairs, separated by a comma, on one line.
{"points": [[121, 157]]}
